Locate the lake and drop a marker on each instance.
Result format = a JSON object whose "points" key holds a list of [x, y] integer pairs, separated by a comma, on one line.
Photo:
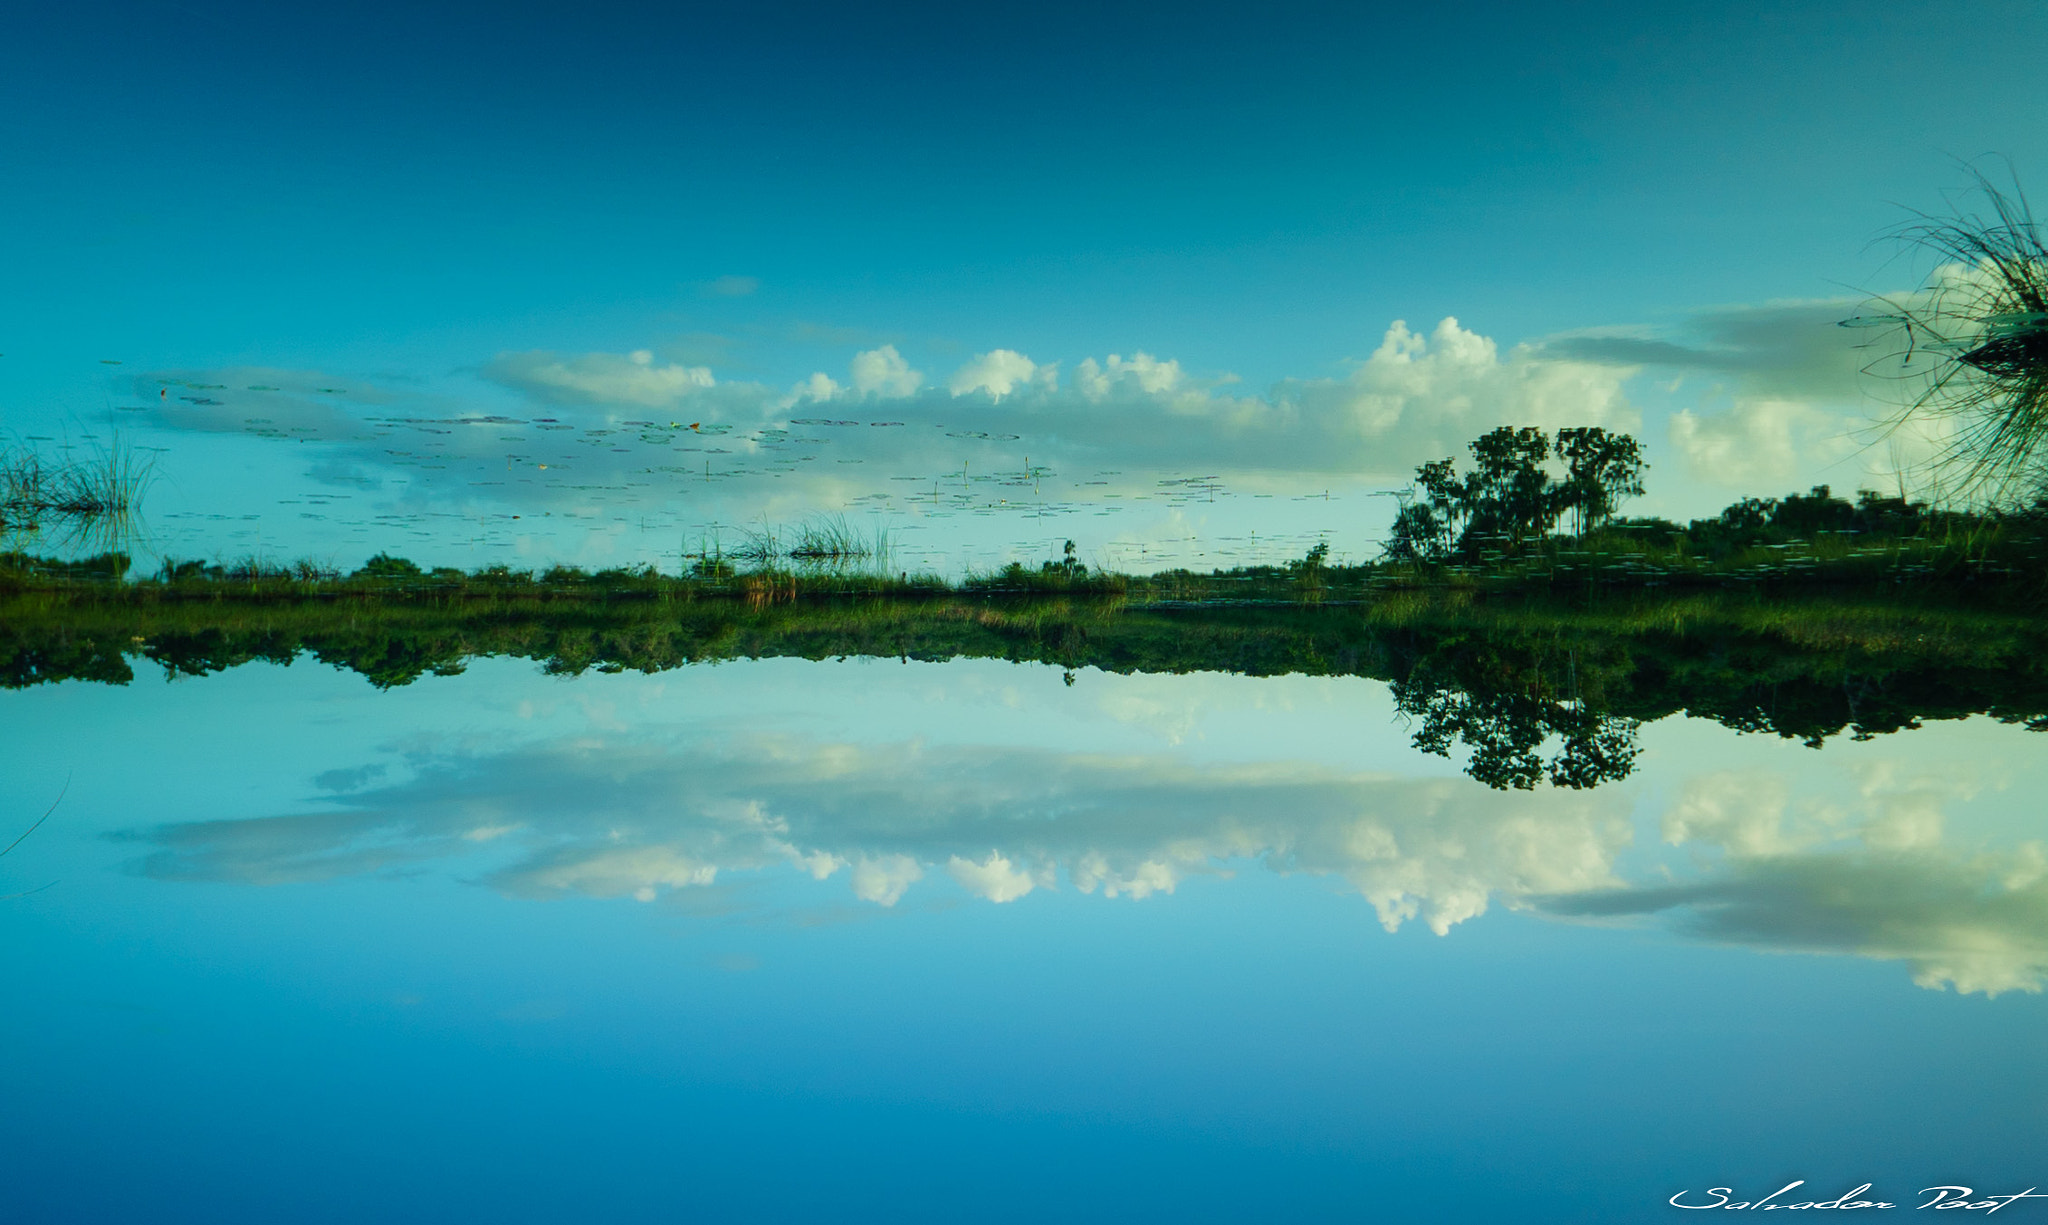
{"points": [[889, 938]]}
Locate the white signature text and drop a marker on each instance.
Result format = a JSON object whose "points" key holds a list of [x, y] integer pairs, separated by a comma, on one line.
{"points": [[1965, 1198]]}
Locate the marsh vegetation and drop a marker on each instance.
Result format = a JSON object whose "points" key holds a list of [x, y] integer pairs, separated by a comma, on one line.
{"points": [[1969, 351], [1529, 685], [70, 505], [36, 489]]}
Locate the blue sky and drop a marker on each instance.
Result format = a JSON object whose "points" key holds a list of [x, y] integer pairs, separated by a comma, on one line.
{"points": [[415, 198]]}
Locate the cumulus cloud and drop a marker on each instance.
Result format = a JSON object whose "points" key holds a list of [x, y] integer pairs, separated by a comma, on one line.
{"points": [[995, 878], [882, 879], [1740, 813], [1423, 397], [1096, 434], [1415, 397], [819, 387], [1092, 872], [1000, 372], [600, 378], [1143, 372], [1755, 443], [883, 373], [1863, 872]]}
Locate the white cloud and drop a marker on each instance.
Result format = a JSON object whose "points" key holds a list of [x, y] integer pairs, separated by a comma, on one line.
{"points": [[1870, 878], [1755, 420], [600, 378], [820, 864], [1143, 372], [882, 879], [1754, 444], [994, 878], [1094, 871], [1777, 396], [1977, 923], [883, 372], [820, 386], [634, 870], [1000, 372], [1424, 397], [1741, 813], [1906, 811]]}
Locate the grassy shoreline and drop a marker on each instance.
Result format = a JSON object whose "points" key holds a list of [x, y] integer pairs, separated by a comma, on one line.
{"points": [[1534, 682], [1998, 560]]}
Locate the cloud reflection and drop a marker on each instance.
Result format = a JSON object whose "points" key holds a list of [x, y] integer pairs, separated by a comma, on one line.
{"points": [[1977, 923], [1759, 865], [634, 819], [1871, 878]]}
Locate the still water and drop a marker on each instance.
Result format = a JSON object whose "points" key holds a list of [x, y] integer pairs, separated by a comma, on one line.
{"points": [[872, 940]]}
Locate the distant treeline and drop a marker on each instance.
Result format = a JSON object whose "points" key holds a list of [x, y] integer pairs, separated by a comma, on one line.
{"points": [[1506, 516], [1536, 685]]}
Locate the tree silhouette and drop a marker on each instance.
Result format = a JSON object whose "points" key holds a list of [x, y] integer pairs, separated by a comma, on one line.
{"points": [[1510, 499], [1600, 470]]}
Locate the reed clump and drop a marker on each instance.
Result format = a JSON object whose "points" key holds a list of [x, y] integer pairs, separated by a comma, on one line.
{"points": [[819, 543], [1970, 349], [34, 487]]}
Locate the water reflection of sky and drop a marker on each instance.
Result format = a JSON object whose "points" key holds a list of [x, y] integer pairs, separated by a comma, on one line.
{"points": [[942, 938]]}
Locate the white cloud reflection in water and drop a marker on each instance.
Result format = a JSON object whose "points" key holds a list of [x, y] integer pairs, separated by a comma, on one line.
{"points": [[1893, 849], [632, 818]]}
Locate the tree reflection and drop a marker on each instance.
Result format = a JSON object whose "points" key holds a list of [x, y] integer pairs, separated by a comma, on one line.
{"points": [[1520, 724]]}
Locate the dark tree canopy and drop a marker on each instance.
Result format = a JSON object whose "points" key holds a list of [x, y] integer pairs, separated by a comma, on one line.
{"points": [[1510, 497]]}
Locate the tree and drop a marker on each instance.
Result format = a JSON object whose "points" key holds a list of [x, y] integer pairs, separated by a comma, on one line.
{"points": [[1419, 535], [1600, 470], [1510, 498], [1425, 531]]}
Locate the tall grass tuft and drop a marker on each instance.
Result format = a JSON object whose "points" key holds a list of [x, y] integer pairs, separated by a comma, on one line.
{"points": [[1972, 347], [106, 487], [823, 542]]}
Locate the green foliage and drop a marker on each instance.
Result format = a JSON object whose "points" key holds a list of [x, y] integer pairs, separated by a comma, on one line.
{"points": [[1601, 469], [1067, 575], [1495, 524], [1067, 567], [1971, 348], [108, 485], [1529, 689], [1509, 732], [383, 565], [1509, 499], [1309, 567]]}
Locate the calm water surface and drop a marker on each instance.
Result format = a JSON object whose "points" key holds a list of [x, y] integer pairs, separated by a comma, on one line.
{"points": [[866, 940]]}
